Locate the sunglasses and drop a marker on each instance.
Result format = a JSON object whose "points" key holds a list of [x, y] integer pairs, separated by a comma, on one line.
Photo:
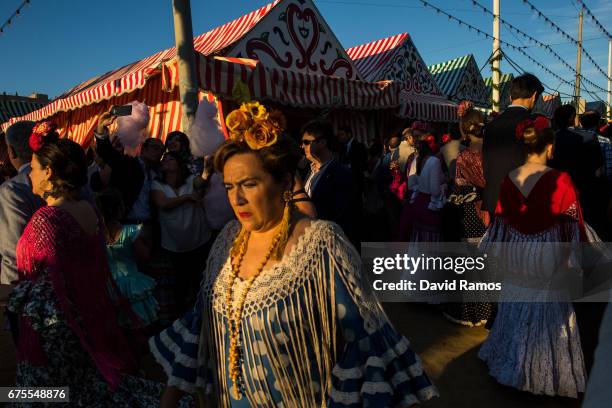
{"points": [[306, 142]]}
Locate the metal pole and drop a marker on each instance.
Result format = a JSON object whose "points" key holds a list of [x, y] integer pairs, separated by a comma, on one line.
{"points": [[188, 86], [609, 76], [495, 62], [578, 62]]}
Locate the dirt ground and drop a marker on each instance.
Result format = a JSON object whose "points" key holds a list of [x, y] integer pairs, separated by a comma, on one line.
{"points": [[449, 353]]}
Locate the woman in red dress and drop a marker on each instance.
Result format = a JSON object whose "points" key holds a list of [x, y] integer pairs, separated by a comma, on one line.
{"points": [[68, 325], [535, 346]]}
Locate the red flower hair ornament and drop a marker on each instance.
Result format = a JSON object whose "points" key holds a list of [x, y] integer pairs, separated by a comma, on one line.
{"points": [[43, 132], [431, 142], [539, 123], [463, 107]]}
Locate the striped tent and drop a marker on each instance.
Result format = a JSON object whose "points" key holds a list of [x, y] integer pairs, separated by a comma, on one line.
{"points": [[293, 58], [14, 106], [460, 79], [504, 96], [547, 104], [396, 58]]}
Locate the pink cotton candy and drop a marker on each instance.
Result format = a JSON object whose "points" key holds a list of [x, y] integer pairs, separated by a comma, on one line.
{"points": [[132, 130], [205, 134]]}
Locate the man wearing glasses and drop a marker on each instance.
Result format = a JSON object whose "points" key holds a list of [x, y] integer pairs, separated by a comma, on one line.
{"points": [[329, 184]]}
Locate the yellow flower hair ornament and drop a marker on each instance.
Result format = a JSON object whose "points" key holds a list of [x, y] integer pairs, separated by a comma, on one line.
{"points": [[254, 125]]}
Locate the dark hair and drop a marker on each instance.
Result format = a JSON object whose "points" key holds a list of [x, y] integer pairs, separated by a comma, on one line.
{"points": [[110, 204], [394, 135], [321, 129], [563, 115], [346, 129], [472, 123], [523, 86], [18, 138], [454, 132], [68, 163], [183, 140], [590, 119], [277, 160], [183, 169], [536, 141], [424, 150], [148, 141]]}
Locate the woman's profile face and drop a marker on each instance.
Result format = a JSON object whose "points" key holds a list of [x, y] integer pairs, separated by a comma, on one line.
{"points": [[255, 196], [38, 175]]}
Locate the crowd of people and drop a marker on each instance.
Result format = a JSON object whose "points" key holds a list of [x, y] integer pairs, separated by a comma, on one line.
{"points": [[256, 297]]}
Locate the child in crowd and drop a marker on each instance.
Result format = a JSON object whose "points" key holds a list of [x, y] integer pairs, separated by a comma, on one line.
{"points": [[126, 249]]}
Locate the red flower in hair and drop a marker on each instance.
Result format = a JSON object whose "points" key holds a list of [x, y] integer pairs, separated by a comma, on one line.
{"points": [[431, 142], [463, 107], [445, 138], [539, 123], [40, 134]]}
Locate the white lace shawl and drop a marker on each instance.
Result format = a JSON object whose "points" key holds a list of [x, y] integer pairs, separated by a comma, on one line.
{"points": [[307, 271]]}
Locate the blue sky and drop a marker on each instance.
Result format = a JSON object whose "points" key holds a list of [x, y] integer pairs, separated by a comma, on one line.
{"points": [[56, 44]]}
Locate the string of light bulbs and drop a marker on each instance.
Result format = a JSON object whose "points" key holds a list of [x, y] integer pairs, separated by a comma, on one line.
{"points": [[569, 37], [509, 45], [17, 12], [547, 47], [597, 23]]}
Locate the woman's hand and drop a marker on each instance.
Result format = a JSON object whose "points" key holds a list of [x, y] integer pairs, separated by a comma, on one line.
{"points": [[199, 183], [208, 168], [105, 120]]}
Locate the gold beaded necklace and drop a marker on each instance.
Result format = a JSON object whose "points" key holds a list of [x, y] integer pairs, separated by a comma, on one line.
{"points": [[235, 314]]}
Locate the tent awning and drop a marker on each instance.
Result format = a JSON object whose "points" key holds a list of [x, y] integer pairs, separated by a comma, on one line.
{"points": [[219, 75], [430, 108], [10, 108]]}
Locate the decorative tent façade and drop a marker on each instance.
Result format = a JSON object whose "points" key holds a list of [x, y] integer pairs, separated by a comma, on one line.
{"points": [[460, 79], [547, 104], [397, 58], [284, 52]]}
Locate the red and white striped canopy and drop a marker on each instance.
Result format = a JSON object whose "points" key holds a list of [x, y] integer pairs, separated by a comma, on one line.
{"points": [[134, 76], [312, 90], [420, 96], [371, 58], [220, 75]]}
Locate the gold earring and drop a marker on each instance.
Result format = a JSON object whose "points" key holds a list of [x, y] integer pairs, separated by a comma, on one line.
{"points": [[277, 251], [44, 187], [287, 196]]}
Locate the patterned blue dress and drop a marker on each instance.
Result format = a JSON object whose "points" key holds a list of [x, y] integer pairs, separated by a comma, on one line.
{"points": [[134, 285], [312, 334]]}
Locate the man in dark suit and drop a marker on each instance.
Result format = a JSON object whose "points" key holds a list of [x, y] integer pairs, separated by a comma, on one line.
{"points": [[329, 183], [17, 202], [353, 154], [17, 206], [501, 152]]}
